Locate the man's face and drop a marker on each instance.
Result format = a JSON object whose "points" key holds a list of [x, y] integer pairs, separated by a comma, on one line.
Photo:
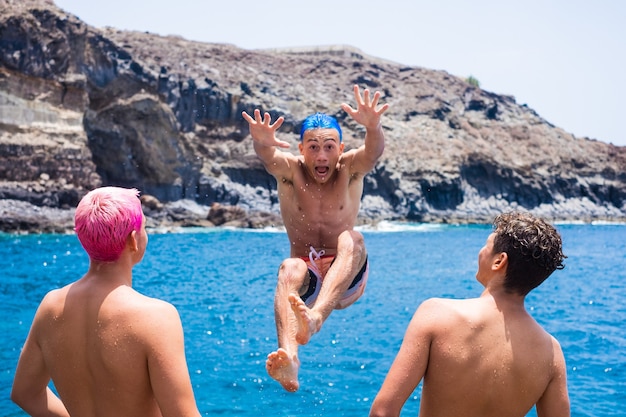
{"points": [[485, 260], [321, 150]]}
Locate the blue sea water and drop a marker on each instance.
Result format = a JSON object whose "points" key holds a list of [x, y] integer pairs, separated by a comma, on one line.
{"points": [[222, 283]]}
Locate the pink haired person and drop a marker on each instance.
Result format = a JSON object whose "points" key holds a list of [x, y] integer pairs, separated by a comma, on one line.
{"points": [[98, 339]]}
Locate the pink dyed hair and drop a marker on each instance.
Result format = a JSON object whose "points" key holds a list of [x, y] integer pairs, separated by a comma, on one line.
{"points": [[104, 218]]}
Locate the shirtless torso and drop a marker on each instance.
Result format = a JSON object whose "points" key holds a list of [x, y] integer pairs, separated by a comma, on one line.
{"points": [[99, 345], [479, 346], [109, 350], [320, 193], [479, 357], [483, 357], [315, 214]]}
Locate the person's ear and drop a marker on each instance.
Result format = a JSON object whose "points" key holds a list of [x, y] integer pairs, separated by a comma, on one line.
{"points": [[341, 146], [131, 241], [501, 261], [300, 147]]}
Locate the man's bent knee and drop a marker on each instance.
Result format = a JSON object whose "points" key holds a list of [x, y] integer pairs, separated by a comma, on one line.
{"points": [[292, 272], [352, 241]]}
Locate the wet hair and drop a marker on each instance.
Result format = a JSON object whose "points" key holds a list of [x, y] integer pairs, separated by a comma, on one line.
{"points": [[320, 121], [533, 248], [103, 220]]}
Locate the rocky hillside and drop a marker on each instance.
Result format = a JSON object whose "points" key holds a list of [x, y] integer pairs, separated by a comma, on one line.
{"points": [[82, 107]]}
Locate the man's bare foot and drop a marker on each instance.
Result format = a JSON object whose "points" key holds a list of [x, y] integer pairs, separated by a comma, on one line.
{"points": [[283, 369], [308, 322]]}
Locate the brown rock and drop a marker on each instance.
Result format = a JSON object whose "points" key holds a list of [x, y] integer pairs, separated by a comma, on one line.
{"points": [[82, 107]]}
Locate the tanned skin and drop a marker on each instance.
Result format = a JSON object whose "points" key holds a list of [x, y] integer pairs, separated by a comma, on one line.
{"points": [[320, 192], [481, 357], [109, 350]]}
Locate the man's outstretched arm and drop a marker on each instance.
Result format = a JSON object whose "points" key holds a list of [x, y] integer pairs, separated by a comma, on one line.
{"points": [[266, 145], [368, 114]]}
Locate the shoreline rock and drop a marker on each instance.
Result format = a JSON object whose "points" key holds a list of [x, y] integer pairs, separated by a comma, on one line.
{"points": [[82, 107], [19, 217]]}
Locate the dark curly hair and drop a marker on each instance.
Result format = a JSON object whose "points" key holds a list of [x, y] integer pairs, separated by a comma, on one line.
{"points": [[533, 248]]}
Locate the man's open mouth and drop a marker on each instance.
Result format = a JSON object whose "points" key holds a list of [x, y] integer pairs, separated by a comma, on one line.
{"points": [[321, 170]]}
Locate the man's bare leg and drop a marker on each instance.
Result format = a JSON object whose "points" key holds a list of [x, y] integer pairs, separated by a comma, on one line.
{"points": [[283, 364], [350, 257]]}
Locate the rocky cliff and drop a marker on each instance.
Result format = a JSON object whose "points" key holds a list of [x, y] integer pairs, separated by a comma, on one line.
{"points": [[82, 107]]}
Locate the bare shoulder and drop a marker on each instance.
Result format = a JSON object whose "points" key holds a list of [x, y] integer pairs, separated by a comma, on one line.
{"points": [[53, 302], [168, 317], [146, 314], [54, 297], [359, 161], [347, 158], [152, 307], [442, 307], [290, 171], [348, 164], [558, 357], [283, 165], [438, 313]]}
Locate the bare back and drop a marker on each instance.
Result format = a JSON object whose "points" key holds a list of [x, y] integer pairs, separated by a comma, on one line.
{"points": [[101, 346], [486, 360], [315, 214]]}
